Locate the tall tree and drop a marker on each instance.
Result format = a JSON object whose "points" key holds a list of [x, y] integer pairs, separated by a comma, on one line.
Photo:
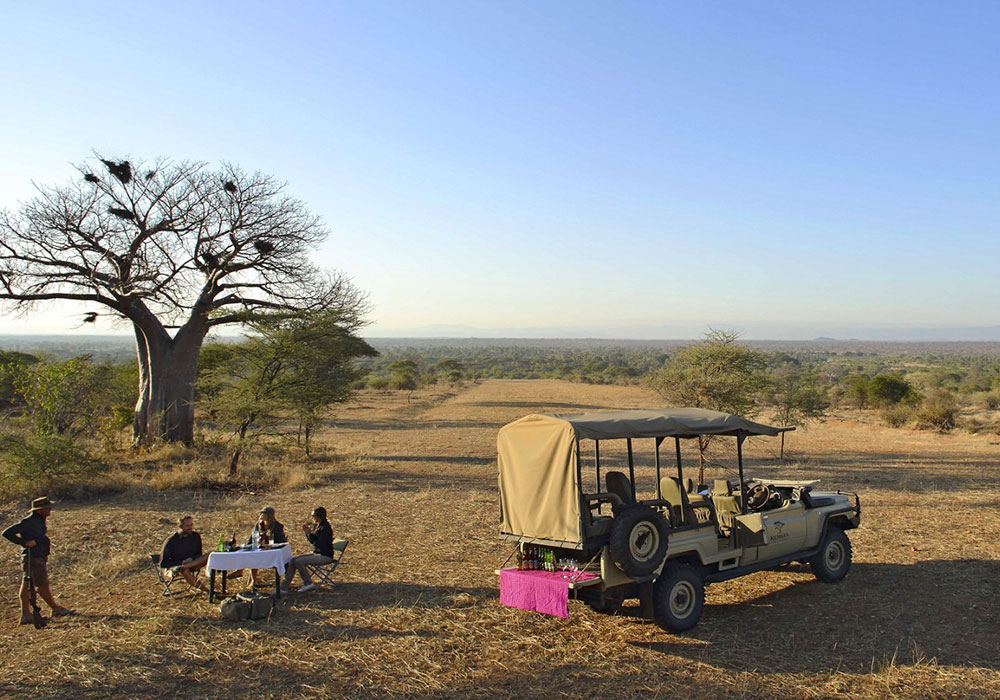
{"points": [[175, 249], [717, 373]]}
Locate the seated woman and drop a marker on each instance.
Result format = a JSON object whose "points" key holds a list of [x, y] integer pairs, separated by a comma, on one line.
{"points": [[267, 529], [320, 535]]}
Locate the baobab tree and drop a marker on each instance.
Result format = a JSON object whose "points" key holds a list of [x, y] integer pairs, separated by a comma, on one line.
{"points": [[176, 250]]}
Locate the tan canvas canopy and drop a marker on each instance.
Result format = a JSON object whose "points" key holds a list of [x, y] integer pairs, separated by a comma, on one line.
{"points": [[537, 460]]}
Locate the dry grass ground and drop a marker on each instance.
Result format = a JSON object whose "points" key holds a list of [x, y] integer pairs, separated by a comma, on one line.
{"points": [[415, 611]]}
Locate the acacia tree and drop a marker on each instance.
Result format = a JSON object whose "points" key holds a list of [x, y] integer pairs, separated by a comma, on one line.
{"points": [[797, 398], [176, 250], [716, 373], [297, 364]]}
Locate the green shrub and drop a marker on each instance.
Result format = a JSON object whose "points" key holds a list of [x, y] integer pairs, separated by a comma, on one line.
{"points": [[992, 401], [377, 382], [888, 389], [897, 416], [42, 463], [939, 411]]}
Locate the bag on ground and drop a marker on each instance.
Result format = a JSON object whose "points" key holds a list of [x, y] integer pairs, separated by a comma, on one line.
{"points": [[260, 605], [235, 609]]}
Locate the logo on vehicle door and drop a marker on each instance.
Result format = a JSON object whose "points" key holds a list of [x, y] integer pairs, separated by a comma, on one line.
{"points": [[778, 534]]}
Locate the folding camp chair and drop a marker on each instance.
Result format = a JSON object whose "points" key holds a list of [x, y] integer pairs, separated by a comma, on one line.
{"points": [[168, 581], [321, 573]]}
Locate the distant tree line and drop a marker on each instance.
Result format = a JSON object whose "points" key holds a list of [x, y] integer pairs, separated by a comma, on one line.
{"points": [[290, 369]]}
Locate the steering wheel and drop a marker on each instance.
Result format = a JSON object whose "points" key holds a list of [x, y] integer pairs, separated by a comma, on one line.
{"points": [[758, 496]]}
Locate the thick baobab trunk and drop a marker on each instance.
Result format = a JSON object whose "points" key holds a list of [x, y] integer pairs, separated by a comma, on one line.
{"points": [[140, 417], [168, 369]]}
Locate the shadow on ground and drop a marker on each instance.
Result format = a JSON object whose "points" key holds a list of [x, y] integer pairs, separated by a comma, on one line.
{"points": [[943, 610], [410, 424], [368, 596], [536, 406]]}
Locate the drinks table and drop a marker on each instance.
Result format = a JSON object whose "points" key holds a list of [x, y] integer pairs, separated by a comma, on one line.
{"points": [[276, 558]]}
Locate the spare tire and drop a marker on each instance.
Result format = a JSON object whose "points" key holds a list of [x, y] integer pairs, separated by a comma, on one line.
{"points": [[638, 540]]}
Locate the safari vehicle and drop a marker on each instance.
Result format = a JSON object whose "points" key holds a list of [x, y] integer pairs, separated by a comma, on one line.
{"points": [[663, 550]]}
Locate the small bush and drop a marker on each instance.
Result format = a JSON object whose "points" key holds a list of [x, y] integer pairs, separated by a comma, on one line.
{"points": [[938, 412], [897, 416], [43, 463], [992, 401]]}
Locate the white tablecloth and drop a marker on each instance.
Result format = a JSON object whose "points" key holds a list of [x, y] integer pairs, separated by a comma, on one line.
{"points": [[250, 559]]}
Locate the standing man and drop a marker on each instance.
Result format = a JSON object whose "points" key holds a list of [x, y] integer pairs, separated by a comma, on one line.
{"points": [[29, 534], [181, 553]]}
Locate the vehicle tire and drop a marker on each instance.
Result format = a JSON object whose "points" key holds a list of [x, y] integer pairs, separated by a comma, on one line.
{"points": [[834, 558], [638, 540], [678, 597]]}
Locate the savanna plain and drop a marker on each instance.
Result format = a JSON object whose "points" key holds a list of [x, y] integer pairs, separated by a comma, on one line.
{"points": [[410, 479]]}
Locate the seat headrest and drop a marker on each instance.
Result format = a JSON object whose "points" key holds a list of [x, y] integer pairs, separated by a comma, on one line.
{"points": [[722, 487], [670, 489], [617, 483]]}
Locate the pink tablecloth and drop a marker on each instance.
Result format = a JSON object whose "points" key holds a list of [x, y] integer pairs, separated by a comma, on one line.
{"points": [[542, 591]]}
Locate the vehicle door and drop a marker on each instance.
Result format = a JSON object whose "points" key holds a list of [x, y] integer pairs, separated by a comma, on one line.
{"points": [[786, 530]]}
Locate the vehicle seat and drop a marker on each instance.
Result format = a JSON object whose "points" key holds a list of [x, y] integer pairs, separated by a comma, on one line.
{"points": [[702, 508], [722, 487], [726, 509], [618, 484], [670, 491]]}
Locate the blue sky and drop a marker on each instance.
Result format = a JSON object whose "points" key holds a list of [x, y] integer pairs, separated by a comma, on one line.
{"points": [[623, 169]]}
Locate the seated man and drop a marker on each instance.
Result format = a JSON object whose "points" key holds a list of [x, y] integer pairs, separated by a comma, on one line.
{"points": [[181, 553], [320, 535]]}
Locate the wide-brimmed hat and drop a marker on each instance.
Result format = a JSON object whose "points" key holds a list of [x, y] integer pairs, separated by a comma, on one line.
{"points": [[41, 503]]}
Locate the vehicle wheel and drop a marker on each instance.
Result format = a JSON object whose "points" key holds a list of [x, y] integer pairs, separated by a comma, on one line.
{"points": [[834, 557], [638, 540], [678, 598]]}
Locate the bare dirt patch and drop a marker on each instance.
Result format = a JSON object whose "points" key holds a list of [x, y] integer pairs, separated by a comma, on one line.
{"points": [[414, 612]]}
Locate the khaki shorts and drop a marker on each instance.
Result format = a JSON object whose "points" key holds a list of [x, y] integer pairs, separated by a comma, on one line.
{"points": [[39, 570]]}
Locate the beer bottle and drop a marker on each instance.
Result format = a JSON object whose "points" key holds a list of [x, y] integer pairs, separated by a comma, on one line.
{"points": [[222, 543], [520, 559]]}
